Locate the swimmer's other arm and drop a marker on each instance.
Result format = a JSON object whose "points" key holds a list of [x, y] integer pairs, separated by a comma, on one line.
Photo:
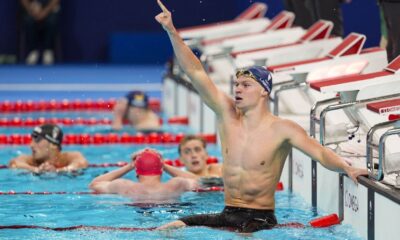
{"points": [[22, 162], [299, 139], [176, 172], [119, 111], [76, 161], [109, 182]]}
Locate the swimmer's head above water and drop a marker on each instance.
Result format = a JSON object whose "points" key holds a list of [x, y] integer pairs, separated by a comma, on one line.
{"points": [[260, 74], [148, 163], [193, 153], [137, 99], [48, 132]]}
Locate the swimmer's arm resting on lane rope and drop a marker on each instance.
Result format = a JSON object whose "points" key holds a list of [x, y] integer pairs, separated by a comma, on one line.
{"points": [[76, 161], [22, 162]]}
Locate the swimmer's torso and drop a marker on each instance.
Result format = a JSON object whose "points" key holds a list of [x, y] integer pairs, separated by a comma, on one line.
{"points": [[253, 162]]}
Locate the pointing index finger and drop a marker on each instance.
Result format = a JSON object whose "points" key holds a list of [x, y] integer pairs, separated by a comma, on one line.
{"points": [[164, 9]]}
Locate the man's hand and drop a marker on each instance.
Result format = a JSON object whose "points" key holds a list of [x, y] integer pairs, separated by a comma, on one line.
{"points": [[165, 18], [353, 173], [47, 167], [34, 9], [134, 155]]}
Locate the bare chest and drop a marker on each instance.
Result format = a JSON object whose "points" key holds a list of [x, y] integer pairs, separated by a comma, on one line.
{"points": [[251, 149]]}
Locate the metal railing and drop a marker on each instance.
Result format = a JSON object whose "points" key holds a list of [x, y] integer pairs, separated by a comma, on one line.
{"points": [[334, 107], [374, 173], [285, 86], [313, 113]]}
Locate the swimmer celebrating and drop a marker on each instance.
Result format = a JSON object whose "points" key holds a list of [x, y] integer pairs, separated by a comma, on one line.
{"points": [[46, 153], [193, 153], [149, 188], [254, 142], [134, 107]]}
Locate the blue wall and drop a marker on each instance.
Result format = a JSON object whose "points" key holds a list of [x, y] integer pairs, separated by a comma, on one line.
{"points": [[87, 26], [8, 10]]}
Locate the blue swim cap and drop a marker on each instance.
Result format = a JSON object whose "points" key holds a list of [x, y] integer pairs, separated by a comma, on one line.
{"points": [[137, 99], [260, 74]]}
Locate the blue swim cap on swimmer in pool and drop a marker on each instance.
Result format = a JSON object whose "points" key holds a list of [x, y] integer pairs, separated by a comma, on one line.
{"points": [[260, 74], [137, 99]]}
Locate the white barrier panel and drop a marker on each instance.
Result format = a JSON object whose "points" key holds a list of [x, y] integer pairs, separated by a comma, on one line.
{"points": [[169, 97], [209, 122], [302, 175], [355, 204], [262, 40], [327, 189], [387, 218], [285, 174], [290, 53], [225, 29], [194, 111], [182, 100]]}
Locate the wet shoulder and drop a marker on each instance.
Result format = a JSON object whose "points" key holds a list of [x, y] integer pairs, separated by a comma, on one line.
{"points": [[285, 127], [70, 156], [177, 184]]}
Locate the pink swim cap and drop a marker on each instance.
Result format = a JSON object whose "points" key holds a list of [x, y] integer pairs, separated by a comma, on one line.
{"points": [[148, 162]]}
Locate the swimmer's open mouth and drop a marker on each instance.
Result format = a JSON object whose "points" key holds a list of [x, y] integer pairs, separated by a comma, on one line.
{"points": [[238, 98], [194, 163]]}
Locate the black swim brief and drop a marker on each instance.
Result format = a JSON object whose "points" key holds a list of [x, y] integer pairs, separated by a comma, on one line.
{"points": [[238, 219]]}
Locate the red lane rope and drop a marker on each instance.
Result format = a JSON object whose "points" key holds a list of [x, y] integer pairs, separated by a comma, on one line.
{"points": [[78, 227], [66, 105], [110, 138], [290, 225], [30, 122], [209, 189]]}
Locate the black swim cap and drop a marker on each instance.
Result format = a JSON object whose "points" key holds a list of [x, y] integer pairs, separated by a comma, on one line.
{"points": [[50, 132]]}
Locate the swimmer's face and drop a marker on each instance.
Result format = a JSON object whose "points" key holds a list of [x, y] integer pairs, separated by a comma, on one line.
{"points": [[194, 156], [41, 149], [134, 114], [247, 91]]}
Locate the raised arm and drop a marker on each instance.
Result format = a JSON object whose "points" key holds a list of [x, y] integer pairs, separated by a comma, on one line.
{"points": [[190, 64], [109, 182], [299, 139], [119, 111]]}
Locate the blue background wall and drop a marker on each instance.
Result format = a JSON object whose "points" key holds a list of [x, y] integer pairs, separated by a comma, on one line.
{"points": [[89, 26]]}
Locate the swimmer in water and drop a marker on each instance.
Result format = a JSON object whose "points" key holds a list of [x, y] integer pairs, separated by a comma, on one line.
{"points": [[149, 188], [134, 107], [193, 154], [46, 153], [254, 142]]}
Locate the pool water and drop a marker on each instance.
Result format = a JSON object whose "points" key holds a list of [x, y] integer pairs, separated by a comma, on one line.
{"points": [[73, 209], [90, 129]]}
